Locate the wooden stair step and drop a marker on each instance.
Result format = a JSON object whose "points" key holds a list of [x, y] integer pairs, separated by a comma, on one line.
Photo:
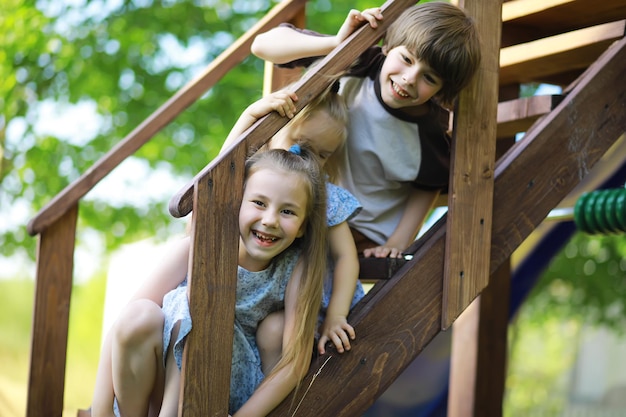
{"points": [[515, 116], [557, 59], [527, 20]]}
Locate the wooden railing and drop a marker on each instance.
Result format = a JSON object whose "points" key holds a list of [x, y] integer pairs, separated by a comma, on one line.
{"points": [[529, 181], [56, 225]]}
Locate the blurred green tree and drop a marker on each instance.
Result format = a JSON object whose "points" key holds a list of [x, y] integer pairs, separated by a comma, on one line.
{"points": [[120, 60]]}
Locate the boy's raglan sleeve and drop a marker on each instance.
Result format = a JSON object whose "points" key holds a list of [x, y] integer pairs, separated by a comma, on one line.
{"points": [[302, 62], [434, 171]]}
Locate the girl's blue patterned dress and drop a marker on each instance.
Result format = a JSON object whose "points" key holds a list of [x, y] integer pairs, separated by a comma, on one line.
{"points": [[258, 294]]}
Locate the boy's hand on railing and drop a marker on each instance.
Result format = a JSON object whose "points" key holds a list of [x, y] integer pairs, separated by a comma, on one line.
{"points": [[356, 19]]}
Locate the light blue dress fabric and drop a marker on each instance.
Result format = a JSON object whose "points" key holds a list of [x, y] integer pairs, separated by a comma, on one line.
{"points": [[340, 207], [258, 294]]}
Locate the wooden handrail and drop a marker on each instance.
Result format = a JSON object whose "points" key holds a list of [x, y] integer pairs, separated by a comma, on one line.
{"points": [[307, 88], [191, 92], [531, 179]]}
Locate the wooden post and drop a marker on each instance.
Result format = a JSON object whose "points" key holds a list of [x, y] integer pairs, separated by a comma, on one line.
{"points": [[55, 262], [466, 270]]}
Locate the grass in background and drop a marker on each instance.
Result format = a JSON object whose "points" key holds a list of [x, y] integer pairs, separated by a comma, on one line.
{"points": [[16, 311]]}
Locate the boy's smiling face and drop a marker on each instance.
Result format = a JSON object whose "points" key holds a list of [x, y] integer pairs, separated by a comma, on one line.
{"points": [[405, 81]]}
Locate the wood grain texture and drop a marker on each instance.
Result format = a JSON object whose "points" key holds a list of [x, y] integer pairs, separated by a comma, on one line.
{"points": [[516, 116], [466, 271], [212, 287], [531, 179], [536, 61], [311, 84], [53, 291], [186, 96]]}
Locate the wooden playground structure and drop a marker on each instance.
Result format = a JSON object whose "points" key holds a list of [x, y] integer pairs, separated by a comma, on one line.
{"points": [[500, 191]]}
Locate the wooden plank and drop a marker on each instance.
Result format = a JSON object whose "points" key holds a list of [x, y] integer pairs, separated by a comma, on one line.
{"points": [[537, 60], [212, 287], [515, 116], [464, 362], [527, 20], [311, 84], [186, 96], [531, 179], [596, 113], [492, 344], [478, 360], [55, 260], [472, 166], [479, 340]]}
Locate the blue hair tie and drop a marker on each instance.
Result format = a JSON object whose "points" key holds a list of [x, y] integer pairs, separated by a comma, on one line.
{"points": [[295, 149]]}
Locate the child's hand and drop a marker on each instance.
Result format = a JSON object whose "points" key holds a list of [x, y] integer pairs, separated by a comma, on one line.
{"points": [[336, 330], [282, 102], [382, 252], [356, 19]]}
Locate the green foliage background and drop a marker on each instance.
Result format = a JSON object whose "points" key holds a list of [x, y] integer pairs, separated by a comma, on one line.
{"points": [[119, 56]]}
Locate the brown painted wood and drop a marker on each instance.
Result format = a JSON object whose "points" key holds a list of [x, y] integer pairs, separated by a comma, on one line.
{"points": [[531, 179], [479, 351], [546, 58], [528, 20], [466, 270], [516, 116], [492, 343], [311, 84], [55, 254], [595, 108], [213, 281], [464, 362], [479, 340], [228, 59]]}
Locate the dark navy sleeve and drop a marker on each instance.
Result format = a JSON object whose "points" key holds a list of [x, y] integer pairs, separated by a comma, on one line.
{"points": [[434, 172]]}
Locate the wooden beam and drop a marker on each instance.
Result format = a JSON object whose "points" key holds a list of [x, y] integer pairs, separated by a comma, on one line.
{"points": [[517, 9], [308, 87], [528, 20], [531, 179], [217, 189], [534, 61], [55, 255], [515, 116], [161, 117], [478, 360], [212, 287], [472, 167]]}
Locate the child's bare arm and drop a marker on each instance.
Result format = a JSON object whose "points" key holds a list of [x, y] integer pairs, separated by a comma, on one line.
{"points": [[346, 271], [417, 208], [283, 44], [276, 387], [281, 102]]}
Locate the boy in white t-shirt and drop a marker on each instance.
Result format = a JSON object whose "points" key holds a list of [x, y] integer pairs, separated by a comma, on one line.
{"points": [[397, 156]]}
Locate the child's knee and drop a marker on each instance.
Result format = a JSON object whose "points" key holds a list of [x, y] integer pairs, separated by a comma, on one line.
{"points": [[269, 334], [139, 323]]}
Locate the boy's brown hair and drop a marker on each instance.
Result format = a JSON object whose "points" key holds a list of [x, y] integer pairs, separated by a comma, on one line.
{"points": [[443, 36]]}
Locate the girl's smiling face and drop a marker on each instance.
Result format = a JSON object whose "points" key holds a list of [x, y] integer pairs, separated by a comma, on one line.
{"points": [[271, 217], [406, 81]]}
